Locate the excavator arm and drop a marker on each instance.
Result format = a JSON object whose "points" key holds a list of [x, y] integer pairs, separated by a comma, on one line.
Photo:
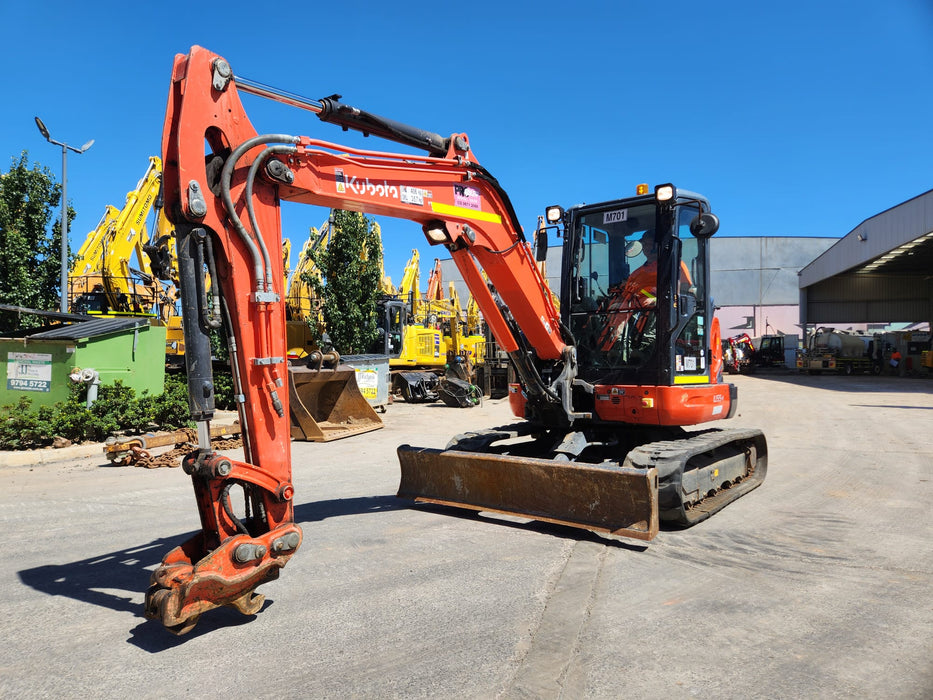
{"points": [[409, 288], [224, 205], [435, 291]]}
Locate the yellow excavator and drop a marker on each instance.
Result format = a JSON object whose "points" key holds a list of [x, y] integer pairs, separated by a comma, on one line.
{"points": [[471, 339], [460, 387], [415, 348], [302, 308], [464, 342], [163, 264], [424, 337], [103, 281]]}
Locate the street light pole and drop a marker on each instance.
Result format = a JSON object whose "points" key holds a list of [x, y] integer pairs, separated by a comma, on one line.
{"points": [[64, 256]]}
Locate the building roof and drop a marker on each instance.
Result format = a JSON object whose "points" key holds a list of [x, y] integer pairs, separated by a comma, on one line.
{"points": [[88, 329], [897, 241], [877, 273]]}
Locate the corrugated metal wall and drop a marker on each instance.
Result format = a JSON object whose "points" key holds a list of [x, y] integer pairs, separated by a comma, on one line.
{"points": [[760, 271], [873, 238], [832, 292]]}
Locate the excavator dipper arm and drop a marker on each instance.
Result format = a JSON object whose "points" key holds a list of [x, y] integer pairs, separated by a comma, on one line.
{"points": [[224, 205]]}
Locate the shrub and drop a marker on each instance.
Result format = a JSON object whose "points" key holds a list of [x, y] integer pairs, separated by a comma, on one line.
{"points": [[116, 409]]}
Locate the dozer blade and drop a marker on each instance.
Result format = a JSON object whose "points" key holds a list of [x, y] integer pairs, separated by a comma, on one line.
{"points": [[326, 404], [612, 499]]}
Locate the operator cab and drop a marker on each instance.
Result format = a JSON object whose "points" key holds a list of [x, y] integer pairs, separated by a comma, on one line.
{"points": [[634, 292]]}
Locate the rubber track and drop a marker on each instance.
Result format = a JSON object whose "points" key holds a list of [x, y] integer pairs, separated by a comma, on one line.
{"points": [[670, 457]]}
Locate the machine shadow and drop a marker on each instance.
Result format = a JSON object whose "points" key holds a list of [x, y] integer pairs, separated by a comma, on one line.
{"points": [[97, 580], [564, 532], [337, 507], [83, 580]]}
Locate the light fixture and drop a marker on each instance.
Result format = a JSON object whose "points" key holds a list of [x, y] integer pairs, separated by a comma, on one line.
{"points": [[665, 193], [43, 129], [436, 232]]}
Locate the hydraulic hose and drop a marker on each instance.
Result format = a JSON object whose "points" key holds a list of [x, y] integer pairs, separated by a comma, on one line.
{"points": [[210, 315], [233, 351], [250, 210], [226, 176], [228, 509]]}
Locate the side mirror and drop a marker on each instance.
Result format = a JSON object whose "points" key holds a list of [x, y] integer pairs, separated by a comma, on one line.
{"points": [[704, 225], [633, 248], [541, 245]]}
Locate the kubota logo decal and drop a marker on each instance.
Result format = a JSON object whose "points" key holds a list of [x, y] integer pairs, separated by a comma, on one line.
{"points": [[381, 190]]}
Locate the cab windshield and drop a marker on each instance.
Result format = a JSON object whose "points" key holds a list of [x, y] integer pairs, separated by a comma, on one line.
{"points": [[613, 254], [614, 298]]}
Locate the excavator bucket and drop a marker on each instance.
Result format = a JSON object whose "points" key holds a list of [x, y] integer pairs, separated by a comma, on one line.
{"points": [[326, 404], [603, 498]]}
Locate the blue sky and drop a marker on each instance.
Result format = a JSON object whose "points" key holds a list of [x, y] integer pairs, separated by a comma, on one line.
{"points": [[795, 119]]}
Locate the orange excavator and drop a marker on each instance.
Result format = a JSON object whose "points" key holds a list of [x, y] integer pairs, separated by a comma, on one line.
{"points": [[601, 445]]}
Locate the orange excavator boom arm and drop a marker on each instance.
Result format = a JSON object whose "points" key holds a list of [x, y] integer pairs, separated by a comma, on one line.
{"points": [[225, 207]]}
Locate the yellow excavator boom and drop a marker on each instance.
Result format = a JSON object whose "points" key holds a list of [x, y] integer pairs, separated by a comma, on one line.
{"points": [[102, 278]]}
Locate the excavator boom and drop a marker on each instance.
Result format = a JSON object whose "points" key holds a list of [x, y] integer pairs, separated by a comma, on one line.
{"points": [[225, 210]]}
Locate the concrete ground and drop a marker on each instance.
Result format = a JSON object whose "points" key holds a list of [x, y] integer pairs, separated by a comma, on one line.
{"points": [[818, 584]]}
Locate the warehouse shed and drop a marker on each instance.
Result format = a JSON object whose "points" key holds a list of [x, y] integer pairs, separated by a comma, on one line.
{"points": [[880, 272]]}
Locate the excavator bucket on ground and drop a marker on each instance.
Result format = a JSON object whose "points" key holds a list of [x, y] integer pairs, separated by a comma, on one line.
{"points": [[326, 404], [604, 498]]}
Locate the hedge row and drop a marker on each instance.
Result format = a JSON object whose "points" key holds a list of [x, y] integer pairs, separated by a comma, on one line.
{"points": [[116, 410]]}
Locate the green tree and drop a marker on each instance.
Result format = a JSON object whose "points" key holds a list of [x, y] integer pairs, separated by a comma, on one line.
{"points": [[30, 241], [351, 270]]}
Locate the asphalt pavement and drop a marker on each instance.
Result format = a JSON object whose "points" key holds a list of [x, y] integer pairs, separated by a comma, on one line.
{"points": [[816, 585]]}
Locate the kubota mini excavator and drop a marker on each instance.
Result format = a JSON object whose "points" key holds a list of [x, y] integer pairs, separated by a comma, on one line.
{"points": [[604, 386]]}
